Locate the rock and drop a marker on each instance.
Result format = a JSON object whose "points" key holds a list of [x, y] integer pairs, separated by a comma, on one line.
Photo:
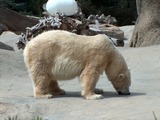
{"points": [[110, 30], [16, 93], [14, 21]]}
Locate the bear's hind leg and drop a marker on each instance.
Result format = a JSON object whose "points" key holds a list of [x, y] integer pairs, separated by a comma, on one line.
{"points": [[46, 87], [42, 92], [98, 91], [41, 81], [41, 87]]}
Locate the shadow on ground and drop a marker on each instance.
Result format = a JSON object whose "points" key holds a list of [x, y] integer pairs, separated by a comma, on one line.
{"points": [[107, 95], [6, 47]]}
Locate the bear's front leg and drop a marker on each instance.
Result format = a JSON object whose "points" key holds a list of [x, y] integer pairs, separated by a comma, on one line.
{"points": [[54, 88], [89, 79]]}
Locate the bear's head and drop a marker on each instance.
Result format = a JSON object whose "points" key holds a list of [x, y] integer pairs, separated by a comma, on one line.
{"points": [[122, 83]]}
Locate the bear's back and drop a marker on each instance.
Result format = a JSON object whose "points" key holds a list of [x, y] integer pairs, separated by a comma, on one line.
{"points": [[67, 52], [64, 37], [57, 42]]}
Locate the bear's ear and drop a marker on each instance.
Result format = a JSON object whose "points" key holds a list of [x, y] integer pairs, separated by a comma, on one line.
{"points": [[120, 77]]}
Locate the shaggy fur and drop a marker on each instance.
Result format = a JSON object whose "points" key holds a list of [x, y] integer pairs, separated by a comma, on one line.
{"points": [[61, 55]]}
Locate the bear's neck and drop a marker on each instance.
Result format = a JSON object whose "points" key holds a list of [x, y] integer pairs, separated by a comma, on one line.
{"points": [[116, 66]]}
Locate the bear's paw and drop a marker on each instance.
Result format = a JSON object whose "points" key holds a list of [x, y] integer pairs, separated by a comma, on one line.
{"points": [[94, 97]]}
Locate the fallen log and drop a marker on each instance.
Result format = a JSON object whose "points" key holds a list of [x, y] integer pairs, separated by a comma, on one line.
{"points": [[3, 28], [110, 30], [14, 21]]}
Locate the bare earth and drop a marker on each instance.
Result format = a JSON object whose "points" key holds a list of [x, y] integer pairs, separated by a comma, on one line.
{"points": [[16, 93]]}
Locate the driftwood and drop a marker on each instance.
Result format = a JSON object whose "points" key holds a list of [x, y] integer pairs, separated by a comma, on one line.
{"points": [[76, 24], [58, 21], [13, 21], [30, 27], [102, 19], [110, 30]]}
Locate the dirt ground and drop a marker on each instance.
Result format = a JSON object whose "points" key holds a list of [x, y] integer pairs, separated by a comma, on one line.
{"points": [[16, 92]]}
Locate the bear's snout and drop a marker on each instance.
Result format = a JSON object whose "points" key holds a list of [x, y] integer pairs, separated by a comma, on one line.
{"points": [[123, 93]]}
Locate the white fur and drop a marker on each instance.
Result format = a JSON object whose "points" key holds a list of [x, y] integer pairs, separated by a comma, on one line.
{"points": [[66, 68], [61, 55]]}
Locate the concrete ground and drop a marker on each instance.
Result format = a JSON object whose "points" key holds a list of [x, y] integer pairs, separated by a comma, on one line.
{"points": [[16, 92]]}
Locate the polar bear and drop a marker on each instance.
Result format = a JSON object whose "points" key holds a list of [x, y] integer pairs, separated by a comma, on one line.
{"points": [[60, 55]]}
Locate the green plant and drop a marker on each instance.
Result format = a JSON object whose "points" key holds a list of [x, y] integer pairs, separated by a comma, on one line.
{"points": [[12, 118], [38, 118], [16, 118]]}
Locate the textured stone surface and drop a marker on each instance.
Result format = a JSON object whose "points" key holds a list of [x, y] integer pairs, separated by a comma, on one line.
{"points": [[16, 92]]}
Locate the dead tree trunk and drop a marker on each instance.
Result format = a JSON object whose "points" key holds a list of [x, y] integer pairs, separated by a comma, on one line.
{"points": [[14, 21], [147, 27]]}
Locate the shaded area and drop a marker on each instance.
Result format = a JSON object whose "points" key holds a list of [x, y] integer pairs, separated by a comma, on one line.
{"points": [[6, 47]]}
